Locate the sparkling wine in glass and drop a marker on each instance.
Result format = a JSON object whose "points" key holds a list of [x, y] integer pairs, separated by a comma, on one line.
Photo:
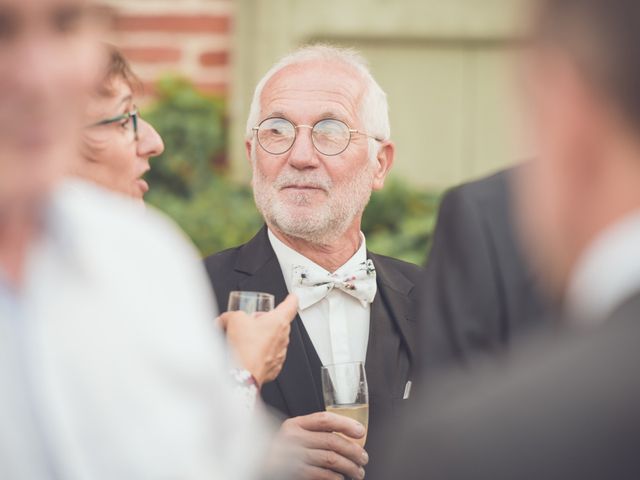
{"points": [[250, 302], [344, 386]]}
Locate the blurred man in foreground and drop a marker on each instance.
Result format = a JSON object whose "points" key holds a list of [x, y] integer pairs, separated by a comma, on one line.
{"points": [[568, 407], [109, 366]]}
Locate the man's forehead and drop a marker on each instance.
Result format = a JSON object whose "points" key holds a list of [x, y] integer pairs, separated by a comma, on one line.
{"points": [[322, 85], [41, 6]]}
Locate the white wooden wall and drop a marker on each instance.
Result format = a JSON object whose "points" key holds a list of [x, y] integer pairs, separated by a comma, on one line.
{"points": [[446, 66]]}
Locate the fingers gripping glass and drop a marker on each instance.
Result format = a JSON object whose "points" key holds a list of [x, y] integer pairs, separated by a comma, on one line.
{"points": [[330, 137], [128, 120]]}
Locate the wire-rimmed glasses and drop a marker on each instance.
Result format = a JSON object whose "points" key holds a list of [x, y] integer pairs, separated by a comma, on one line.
{"points": [[125, 119], [276, 135]]}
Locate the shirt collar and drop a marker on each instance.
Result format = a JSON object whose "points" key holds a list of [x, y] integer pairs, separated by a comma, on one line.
{"points": [[53, 232], [289, 258], [607, 273]]}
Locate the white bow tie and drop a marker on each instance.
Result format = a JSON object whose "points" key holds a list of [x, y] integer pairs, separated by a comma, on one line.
{"points": [[311, 287]]}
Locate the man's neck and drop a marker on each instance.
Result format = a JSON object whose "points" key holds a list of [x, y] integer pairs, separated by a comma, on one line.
{"points": [[330, 256], [17, 232]]}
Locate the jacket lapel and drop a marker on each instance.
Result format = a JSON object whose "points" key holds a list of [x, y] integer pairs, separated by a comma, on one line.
{"points": [[392, 338], [395, 291], [391, 345], [298, 381]]}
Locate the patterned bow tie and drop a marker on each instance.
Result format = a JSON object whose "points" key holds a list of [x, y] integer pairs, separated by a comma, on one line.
{"points": [[312, 287]]}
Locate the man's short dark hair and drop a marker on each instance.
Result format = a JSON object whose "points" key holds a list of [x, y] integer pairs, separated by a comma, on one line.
{"points": [[603, 38]]}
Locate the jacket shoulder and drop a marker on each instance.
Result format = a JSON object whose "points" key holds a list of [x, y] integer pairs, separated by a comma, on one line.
{"points": [[410, 270], [222, 260], [489, 190]]}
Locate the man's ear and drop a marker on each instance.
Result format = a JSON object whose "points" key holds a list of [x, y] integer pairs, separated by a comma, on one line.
{"points": [[384, 161], [247, 146]]}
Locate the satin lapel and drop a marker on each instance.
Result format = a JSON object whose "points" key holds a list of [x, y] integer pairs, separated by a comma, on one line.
{"points": [[394, 289], [389, 331], [297, 380]]}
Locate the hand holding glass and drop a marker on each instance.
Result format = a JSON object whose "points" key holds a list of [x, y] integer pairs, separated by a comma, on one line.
{"points": [[344, 386]]}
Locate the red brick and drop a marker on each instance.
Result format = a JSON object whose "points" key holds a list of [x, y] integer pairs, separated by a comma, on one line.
{"points": [[174, 23], [152, 54], [215, 88], [214, 59]]}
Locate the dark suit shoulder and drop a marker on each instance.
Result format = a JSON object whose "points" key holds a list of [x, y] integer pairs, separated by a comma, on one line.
{"points": [[397, 274], [234, 269], [222, 260], [222, 275], [411, 270], [244, 258], [492, 190]]}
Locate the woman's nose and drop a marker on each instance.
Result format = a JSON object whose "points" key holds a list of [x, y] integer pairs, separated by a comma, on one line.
{"points": [[150, 143]]}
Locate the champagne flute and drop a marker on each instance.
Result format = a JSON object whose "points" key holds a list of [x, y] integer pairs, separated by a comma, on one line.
{"points": [[250, 302], [345, 391]]}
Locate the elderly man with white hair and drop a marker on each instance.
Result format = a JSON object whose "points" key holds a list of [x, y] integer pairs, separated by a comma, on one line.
{"points": [[318, 139]]}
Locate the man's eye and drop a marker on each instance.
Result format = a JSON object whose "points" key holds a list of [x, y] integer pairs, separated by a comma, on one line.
{"points": [[67, 20], [8, 26], [276, 132]]}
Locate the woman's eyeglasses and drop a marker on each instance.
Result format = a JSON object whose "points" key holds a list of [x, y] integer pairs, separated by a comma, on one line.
{"points": [[128, 120]]}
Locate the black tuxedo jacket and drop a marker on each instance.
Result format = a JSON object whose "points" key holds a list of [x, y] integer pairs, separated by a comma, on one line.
{"points": [[392, 345], [566, 406], [478, 293]]}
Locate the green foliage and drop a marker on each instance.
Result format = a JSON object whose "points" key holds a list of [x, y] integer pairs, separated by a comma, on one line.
{"points": [[399, 220], [218, 213], [220, 216], [192, 126]]}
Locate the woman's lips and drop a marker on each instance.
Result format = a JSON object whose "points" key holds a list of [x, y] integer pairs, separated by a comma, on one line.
{"points": [[143, 185]]}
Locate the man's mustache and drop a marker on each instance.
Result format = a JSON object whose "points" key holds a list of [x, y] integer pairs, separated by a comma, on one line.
{"points": [[286, 180]]}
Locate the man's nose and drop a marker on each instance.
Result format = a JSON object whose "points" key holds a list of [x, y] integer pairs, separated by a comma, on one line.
{"points": [[303, 154]]}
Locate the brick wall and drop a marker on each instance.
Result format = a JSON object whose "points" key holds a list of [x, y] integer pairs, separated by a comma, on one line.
{"points": [[189, 37]]}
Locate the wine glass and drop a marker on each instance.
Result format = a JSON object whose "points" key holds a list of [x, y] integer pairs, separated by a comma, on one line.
{"points": [[250, 302], [345, 391]]}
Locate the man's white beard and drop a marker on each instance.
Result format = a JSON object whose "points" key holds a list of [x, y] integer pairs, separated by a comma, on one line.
{"points": [[317, 224]]}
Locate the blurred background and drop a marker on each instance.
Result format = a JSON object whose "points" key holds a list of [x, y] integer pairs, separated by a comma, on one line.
{"points": [[445, 65]]}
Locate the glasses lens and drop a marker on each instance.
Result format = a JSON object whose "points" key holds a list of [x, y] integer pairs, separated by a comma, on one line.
{"points": [[331, 137], [276, 135], [134, 122]]}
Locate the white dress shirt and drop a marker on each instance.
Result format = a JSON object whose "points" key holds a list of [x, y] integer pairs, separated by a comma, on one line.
{"points": [[607, 273], [110, 364], [338, 325]]}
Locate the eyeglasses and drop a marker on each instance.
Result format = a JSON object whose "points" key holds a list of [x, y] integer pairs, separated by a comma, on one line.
{"points": [[128, 120], [330, 137]]}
